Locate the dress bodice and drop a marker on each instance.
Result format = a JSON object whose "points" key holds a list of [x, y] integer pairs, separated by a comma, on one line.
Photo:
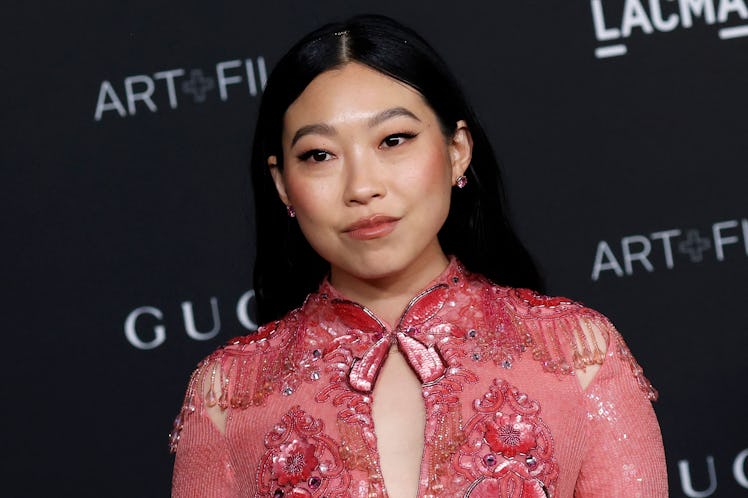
{"points": [[505, 415]]}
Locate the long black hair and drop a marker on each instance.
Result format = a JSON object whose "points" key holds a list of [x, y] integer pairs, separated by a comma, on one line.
{"points": [[477, 230]]}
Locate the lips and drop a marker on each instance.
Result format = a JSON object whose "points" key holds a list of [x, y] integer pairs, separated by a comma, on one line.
{"points": [[372, 227]]}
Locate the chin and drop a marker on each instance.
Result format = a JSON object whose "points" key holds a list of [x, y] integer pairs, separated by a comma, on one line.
{"points": [[375, 266], [378, 271]]}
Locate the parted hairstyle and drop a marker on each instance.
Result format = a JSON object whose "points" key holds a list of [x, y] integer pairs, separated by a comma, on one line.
{"points": [[477, 229]]}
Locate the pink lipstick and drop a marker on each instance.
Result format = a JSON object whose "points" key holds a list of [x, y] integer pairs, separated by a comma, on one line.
{"points": [[372, 227]]}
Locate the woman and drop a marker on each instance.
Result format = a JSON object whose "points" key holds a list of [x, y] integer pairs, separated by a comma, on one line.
{"points": [[407, 371]]}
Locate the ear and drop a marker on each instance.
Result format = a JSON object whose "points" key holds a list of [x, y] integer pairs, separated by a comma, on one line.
{"points": [[460, 150], [280, 184]]}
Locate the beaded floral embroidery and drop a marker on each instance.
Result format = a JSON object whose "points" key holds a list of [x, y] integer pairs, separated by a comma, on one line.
{"points": [[508, 449], [301, 461]]}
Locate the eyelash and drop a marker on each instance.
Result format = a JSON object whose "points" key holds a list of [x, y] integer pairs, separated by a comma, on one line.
{"points": [[405, 134], [310, 153], [305, 156]]}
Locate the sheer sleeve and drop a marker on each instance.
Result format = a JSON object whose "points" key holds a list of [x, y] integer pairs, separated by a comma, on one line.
{"points": [[202, 467], [624, 455]]}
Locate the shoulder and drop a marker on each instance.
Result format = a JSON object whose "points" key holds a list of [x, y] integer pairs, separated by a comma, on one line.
{"points": [[268, 337], [220, 377], [530, 304], [527, 303], [568, 337], [237, 375], [225, 366], [564, 335]]}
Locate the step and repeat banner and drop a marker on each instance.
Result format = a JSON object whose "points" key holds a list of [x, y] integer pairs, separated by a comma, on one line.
{"points": [[621, 126]]}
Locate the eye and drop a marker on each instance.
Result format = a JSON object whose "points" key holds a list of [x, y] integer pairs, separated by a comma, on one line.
{"points": [[315, 155], [397, 139]]}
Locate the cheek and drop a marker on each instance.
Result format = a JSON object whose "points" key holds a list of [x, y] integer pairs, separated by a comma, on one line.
{"points": [[311, 201], [432, 172], [308, 198], [428, 189], [312, 212]]}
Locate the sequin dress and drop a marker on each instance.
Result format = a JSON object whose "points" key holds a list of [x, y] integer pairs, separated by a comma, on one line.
{"points": [[505, 414]]}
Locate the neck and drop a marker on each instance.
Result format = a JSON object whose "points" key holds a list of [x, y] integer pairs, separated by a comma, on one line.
{"points": [[388, 295]]}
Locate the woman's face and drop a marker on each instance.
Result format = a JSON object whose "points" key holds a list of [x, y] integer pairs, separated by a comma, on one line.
{"points": [[369, 173]]}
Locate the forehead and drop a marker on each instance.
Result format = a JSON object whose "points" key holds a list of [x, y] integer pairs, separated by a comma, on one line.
{"points": [[351, 93]]}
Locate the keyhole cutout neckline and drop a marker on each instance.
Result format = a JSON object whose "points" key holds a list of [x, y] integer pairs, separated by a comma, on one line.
{"points": [[399, 423]]}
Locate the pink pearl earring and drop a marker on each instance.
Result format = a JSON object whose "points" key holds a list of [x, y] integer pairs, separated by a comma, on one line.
{"points": [[291, 211]]}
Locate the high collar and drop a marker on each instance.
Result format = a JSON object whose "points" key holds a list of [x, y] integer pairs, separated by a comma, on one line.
{"points": [[421, 308], [413, 333]]}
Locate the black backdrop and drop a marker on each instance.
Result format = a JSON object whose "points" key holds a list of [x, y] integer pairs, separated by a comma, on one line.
{"points": [[129, 244]]}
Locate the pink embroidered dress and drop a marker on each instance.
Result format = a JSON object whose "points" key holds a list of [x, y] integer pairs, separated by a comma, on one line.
{"points": [[505, 415]]}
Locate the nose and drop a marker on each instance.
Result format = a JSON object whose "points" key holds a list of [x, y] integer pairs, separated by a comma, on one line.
{"points": [[364, 180]]}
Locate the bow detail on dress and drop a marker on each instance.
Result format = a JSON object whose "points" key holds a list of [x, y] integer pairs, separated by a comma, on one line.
{"points": [[425, 360]]}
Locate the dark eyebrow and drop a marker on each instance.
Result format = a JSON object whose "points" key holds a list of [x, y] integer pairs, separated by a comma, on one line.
{"points": [[389, 114], [327, 130], [318, 129]]}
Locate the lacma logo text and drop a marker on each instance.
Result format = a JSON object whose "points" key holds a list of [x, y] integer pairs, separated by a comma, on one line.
{"points": [[615, 25]]}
